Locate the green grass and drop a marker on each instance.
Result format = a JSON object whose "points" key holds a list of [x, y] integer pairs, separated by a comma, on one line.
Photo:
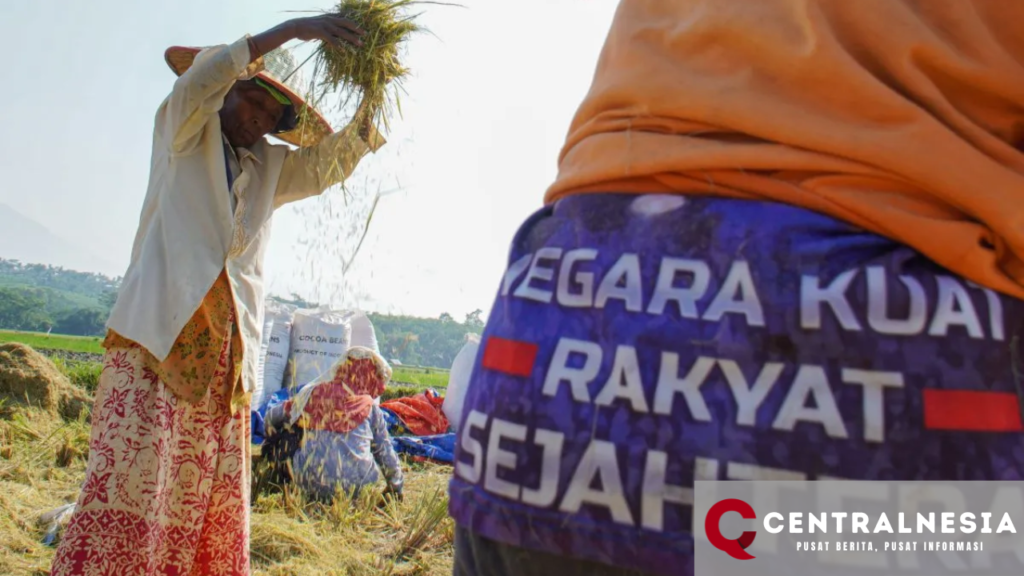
{"points": [[83, 374], [80, 344], [420, 377]]}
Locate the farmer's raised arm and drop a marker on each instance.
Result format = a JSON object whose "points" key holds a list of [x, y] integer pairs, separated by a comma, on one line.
{"points": [[200, 91], [309, 171]]}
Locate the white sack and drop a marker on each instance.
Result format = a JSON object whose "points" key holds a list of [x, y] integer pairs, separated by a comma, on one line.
{"points": [[257, 391], [273, 360], [318, 338], [458, 380], [363, 333]]}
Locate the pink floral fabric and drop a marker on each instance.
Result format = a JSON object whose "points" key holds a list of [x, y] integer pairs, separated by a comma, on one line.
{"points": [[167, 484]]}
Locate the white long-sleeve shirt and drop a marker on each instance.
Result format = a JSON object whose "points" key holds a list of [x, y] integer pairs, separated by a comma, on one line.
{"points": [[188, 232]]}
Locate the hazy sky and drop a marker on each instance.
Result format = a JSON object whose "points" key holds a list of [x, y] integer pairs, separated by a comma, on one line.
{"points": [[484, 117]]}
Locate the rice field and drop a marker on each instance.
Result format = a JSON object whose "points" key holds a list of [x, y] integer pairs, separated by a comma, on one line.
{"points": [[421, 377], [39, 341]]}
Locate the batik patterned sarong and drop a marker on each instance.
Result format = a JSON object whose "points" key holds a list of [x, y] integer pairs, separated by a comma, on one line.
{"points": [[167, 484]]}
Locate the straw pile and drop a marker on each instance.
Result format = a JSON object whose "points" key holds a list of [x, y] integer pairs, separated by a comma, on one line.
{"points": [[373, 71], [29, 380]]}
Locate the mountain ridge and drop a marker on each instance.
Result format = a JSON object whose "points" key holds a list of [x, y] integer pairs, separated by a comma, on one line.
{"points": [[27, 241]]}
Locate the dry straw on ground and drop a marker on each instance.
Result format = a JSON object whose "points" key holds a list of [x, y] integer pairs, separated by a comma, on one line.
{"points": [[359, 537], [29, 379]]}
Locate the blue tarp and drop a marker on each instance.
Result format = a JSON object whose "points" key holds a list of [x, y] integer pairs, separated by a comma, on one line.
{"points": [[257, 428], [260, 413], [440, 447]]}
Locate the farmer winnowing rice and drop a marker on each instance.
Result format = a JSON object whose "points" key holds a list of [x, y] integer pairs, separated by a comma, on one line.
{"points": [[167, 483], [331, 439], [785, 242]]}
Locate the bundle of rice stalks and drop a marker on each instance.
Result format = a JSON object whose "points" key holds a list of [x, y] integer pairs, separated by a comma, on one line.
{"points": [[373, 71]]}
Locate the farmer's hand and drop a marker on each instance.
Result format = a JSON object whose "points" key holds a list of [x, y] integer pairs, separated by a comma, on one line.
{"points": [[391, 494], [334, 30], [327, 28], [364, 121]]}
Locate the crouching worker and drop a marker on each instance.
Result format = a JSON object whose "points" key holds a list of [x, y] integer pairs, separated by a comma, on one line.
{"points": [[331, 438]]}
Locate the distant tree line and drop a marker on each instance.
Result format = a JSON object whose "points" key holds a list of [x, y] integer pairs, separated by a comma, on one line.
{"points": [[55, 277], [39, 298], [30, 309]]}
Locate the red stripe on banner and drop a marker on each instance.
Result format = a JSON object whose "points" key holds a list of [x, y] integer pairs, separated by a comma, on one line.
{"points": [[509, 356], [972, 411]]}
